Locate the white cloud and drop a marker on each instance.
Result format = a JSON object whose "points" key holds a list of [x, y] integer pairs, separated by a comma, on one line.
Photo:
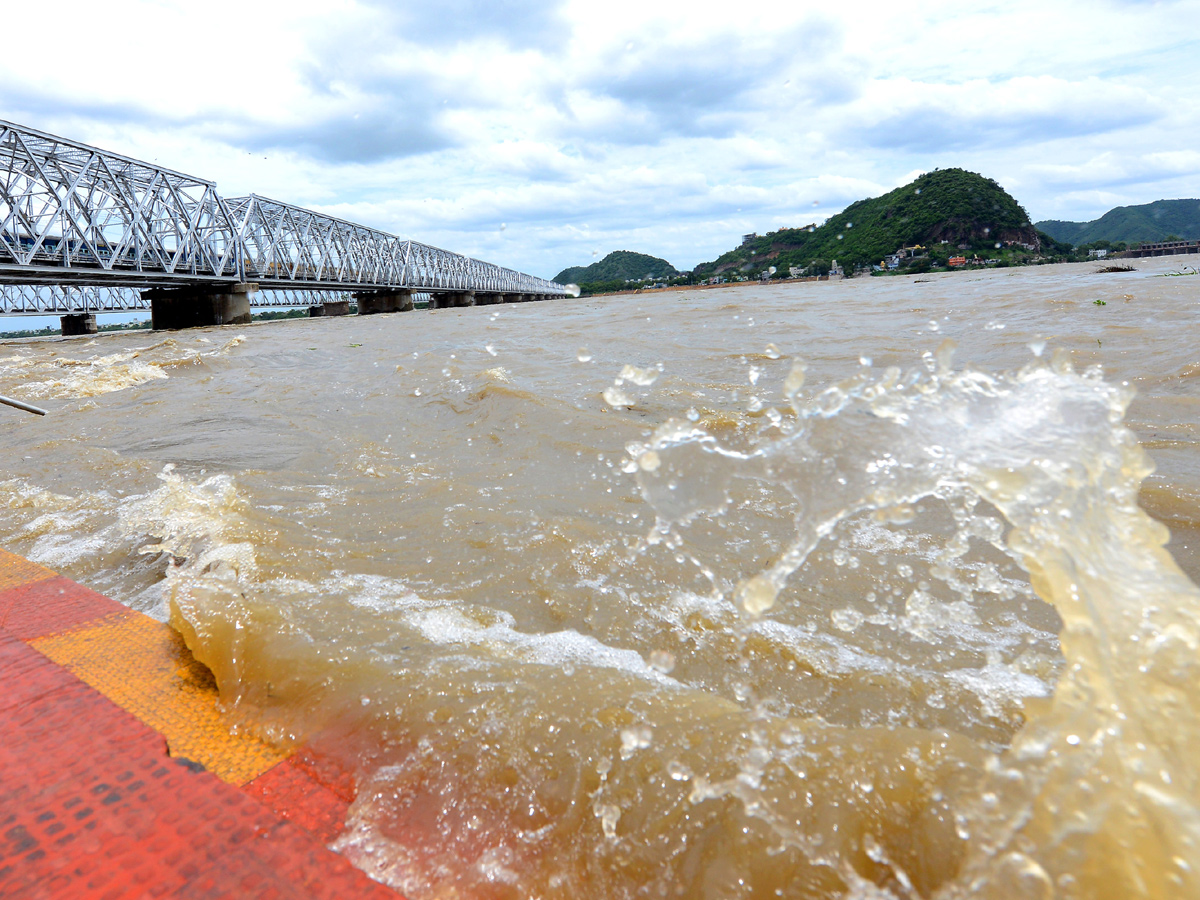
{"points": [[652, 125]]}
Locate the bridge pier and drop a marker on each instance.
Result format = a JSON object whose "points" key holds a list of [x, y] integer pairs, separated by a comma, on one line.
{"points": [[330, 308], [447, 299], [78, 323], [372, 302], [487, 298], [197, 307]]}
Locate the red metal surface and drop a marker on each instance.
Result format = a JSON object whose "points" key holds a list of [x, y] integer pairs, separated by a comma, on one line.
{"points": [[92, 808], [290, 790], [50, 606]]}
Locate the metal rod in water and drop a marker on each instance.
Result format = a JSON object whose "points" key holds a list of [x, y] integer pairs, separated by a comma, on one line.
{"points": [[9, 401]]}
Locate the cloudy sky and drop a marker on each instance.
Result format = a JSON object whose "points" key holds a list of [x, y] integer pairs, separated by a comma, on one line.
{"points": [[540, 134]]}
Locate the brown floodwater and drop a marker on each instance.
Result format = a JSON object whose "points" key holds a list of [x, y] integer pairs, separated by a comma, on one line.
{"points": [[852, 589]]}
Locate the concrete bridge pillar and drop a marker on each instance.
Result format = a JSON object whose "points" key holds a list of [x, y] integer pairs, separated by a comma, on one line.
{"points": [[487, 298], [78, 323], [372, 302], [198, 306], [514, 298], [329, 308], [447, 299]]}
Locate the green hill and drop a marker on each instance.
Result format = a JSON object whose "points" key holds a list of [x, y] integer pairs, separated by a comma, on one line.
{"points": [[950, 205], [619, 265], [1148, 222]]}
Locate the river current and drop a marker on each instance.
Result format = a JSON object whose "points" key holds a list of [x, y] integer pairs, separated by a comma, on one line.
{"points": [[854, 589]]}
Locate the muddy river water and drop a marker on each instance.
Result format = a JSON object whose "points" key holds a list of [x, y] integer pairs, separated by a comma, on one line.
{"points": [[852, 589]]}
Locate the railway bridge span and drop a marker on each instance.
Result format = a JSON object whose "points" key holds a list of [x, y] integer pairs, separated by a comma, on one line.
{"points": [[83, 231]]}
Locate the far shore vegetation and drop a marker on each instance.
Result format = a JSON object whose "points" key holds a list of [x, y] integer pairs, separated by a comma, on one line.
{"points": [[946, 220]]}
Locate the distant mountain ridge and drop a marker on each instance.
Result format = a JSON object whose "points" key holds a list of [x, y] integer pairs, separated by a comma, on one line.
{"points": [[1148, 222], [952, 205], [619, 265]]}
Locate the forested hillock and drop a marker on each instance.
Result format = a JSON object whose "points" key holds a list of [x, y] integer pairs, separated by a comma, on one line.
{"points": [[1158, 221], [620, 265], [947, 205]]}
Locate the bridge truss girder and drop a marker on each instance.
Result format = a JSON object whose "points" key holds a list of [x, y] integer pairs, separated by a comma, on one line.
{"points": [[57, 300], [85, 226]]}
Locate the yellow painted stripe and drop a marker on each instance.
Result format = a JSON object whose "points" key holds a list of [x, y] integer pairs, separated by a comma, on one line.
{"points": [[144, 667], [15, 571]]}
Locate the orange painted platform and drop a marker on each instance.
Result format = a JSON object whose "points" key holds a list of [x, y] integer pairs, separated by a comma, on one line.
{"points": [[120, 779]]}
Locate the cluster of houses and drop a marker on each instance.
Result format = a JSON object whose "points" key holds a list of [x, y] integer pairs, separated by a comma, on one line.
{"points": [[895, 260], [835, 271], [889, 263]]}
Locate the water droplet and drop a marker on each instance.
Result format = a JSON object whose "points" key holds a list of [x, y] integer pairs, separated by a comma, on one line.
{"points": [[847, 619], [583, 355], [864, 361], [1037, 347], [662, 661], [503, 225], [754, 374], [366, 701], [1017, 875], [757, 594], [945, 355], [649, 461], [1073, 740], [640, 377], [609, 816], [678, 771], [795, 379], [635, 738], [616, 397], [693, 414], [490, 349], [772, 352]]}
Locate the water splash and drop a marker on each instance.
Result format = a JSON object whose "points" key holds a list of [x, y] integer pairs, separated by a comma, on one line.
{"points": [[1096, 795]]}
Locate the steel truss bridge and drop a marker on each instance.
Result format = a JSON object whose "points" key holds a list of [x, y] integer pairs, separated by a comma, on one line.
{"points": [[84, 230]]}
